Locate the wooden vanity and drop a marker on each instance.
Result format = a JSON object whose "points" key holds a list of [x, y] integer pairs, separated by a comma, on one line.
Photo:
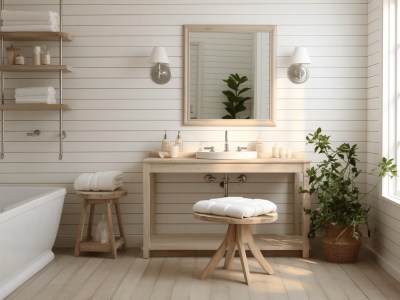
{"points": [[153, 166]]}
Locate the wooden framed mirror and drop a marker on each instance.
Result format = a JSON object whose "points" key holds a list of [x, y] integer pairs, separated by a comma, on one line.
{"points": [[214, 54]]}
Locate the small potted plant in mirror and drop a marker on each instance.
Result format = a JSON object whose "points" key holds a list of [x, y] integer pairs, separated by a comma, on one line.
{"points": [[339, 210], [236, 101]]}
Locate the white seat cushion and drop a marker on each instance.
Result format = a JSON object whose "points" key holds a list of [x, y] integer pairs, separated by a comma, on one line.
{"points": [[237, 207]]}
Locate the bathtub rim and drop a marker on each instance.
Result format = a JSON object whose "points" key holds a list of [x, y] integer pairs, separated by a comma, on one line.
{"points": [[26, 204]]}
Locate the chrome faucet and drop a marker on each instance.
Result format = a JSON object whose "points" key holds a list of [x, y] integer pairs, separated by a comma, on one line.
{"points": [[226, 141]]}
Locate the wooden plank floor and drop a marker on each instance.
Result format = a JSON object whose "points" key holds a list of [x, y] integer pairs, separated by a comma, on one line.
{"points": [[132, 277]]}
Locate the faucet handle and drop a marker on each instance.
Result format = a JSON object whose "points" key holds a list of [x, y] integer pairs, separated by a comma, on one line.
{"points": [[211, 148], [239, 148]]}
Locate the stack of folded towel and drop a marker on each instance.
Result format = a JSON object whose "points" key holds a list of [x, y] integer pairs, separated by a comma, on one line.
{"points": [[40, 94], [99, 181], [17, 20], [237, 207]]}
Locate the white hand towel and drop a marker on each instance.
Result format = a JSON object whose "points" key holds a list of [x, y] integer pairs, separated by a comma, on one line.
{"points": [[109, 180], [50, 99], [35, 91], [11, 28], [29, 15], [31, 22], [237, 207], [99, 181], [82, 183]]}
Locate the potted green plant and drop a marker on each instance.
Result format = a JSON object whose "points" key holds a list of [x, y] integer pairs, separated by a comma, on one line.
{"points": [[236, 101], [339, 209]]}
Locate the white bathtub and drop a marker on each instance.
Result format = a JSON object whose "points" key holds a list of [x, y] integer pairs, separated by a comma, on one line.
{"points": [[29, 219]]}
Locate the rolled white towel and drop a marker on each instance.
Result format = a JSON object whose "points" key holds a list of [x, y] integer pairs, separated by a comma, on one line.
{"points": [[12, 28], [34, 91], [31, 22], [237, 207], [50, 99], [99, 181], [29, 15], [82, 182]]}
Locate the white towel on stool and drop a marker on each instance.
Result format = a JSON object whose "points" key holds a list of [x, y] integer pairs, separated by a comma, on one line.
{"points": [[237, 207], [99, 181]]}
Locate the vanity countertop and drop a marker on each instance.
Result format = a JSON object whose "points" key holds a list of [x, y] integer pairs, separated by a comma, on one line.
{"points": [[192, 160]]}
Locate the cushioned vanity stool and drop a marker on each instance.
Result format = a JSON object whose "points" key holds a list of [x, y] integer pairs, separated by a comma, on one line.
{"points": [[107, 198], [238, 234]]}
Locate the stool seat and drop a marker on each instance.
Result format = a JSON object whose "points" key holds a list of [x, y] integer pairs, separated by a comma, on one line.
{"points": [[108, 198], [237, 236]]}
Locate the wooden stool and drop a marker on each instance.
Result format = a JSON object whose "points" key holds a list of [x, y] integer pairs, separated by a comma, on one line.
{"points": [[107, 198], [238, 235]]}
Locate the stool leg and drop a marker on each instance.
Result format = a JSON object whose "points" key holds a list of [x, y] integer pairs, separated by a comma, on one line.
{"points": [[242, 254], [111, 230], [119, 219], [255, 250], [230, 254], [219, 253], [80, 229], [90, 224]]}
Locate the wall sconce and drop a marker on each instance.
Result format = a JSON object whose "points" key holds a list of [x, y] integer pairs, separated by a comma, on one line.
{"points": [[160, 73], [298, 73]]}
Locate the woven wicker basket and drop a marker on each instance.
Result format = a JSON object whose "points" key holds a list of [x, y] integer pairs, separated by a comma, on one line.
{"points": [[340, 249]]}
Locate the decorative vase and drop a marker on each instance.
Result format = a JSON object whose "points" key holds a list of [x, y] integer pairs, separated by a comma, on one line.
{"points": [[339, 245]]}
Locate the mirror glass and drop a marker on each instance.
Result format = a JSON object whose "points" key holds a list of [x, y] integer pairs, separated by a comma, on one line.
{"points": [[229, 77]]}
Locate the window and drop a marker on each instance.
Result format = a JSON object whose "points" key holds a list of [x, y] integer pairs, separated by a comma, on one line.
{"points": [[391, 93]]}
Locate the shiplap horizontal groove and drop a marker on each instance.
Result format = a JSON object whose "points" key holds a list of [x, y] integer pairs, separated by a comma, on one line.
{"points": [[210, 19], [223, 9]]}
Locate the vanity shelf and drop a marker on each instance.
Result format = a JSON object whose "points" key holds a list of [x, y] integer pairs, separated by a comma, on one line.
{"points": [[202, 242]]}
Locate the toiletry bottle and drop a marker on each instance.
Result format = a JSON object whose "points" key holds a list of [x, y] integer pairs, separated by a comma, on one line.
{"points": [[36, 56], [10, 55], [282, 152], [178, 142], [165, 143], [289, 153], [275, 150], [19, 60], [259, 147], [45, 55]]}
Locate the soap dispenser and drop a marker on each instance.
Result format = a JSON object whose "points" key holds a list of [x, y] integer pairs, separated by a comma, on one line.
{"points": [[178, 142], [259, 147], [275, 150], [165, 143]]}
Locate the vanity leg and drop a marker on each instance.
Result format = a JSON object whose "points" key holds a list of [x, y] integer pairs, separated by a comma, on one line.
{"points": [[146, 211]]}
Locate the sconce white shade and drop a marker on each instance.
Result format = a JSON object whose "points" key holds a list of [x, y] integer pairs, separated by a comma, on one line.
{"points": [[298, 73], [160, 72], [300, 56], [159, 55]]}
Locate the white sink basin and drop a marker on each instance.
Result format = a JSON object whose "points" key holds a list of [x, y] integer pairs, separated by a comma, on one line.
{"points": [[227, 155]]}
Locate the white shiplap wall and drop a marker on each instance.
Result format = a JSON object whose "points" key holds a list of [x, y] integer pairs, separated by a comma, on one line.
{"points": [[384, 214], [118, 114]]}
